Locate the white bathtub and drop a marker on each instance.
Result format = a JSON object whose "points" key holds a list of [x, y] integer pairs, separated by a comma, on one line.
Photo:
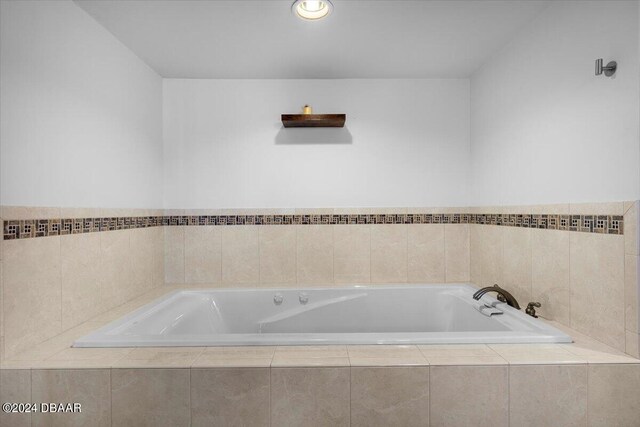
{"points": [[399, 314]]}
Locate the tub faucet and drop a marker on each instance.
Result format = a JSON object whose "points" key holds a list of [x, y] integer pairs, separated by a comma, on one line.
{"points": [[506, 296]]}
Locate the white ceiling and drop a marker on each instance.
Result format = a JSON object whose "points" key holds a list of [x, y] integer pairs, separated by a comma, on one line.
{"points": [[361, 39]]}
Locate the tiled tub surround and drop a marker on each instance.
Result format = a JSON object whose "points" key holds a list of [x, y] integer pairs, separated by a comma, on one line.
{"points": [[587, 281], [524, 251], [582, 383], [52, 284]]}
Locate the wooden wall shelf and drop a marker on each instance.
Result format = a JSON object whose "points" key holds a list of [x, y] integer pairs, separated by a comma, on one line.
{"points": [[313, 120]]}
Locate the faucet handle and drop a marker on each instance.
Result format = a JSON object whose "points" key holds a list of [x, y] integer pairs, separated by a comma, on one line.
{"points": [[531, 309]]}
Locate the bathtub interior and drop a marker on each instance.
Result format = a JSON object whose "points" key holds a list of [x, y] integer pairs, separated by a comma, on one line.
{"points": [[359, 311], [391, 314]]}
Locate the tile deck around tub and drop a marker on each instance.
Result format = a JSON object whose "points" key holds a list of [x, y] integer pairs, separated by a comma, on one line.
{"points": [[57, 353]]}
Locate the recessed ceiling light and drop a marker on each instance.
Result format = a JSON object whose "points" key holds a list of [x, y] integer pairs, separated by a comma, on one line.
{"points": [[312, 10]]}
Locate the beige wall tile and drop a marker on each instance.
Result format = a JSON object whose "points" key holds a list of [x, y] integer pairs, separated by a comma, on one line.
{"points": [[461, 354], [159, 357], [469, 396], [257, 356], [627, 204], [466, 360], [29, 212], [306, 356], [456, 252], [81, 212], [203, 254], [631, 292], [230, 397], [1, 313], [314, 254], [631, 240], [632, 344], [548, 395], [174, 255], [352, 253], [240, 255], [384, 351], [352, 211], [435, 210], [489, 209], [516, 209], [597, 287], [157, 238], [83, 356], [475, 252], [425, 253], [536, 354], [313, 211], [141, 242], [279, 361], [116, 269], [460, 350], [390, 396], [614, 395], [389, 210], [80, 262], [150, 397], [516, 268], [491, 260], [32, 292], [89, 387], [607, 208], [310, 396], [277, 254], [15, 386], [554, 209], [550, 283], [389, 253]]}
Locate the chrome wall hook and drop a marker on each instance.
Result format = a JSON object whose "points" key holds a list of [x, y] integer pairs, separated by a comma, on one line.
{"points": [[609, 69]]}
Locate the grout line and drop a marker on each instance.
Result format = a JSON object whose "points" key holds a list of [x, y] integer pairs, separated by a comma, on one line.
{"points": [[430, 393], [111, 395], [587, 397], [297, 265], [350, 387], [509, 394], [270, 385], [60, 278], [184, 255], [444, 252], [370, 265], [333, 255]]}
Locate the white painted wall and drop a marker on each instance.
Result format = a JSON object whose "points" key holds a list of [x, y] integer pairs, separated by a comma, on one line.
{"points": [[81, 115], [544, 128], [405, 143]]}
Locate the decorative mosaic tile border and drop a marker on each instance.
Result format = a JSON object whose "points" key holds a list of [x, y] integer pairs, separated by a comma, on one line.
{"points": [[25, 229]]}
